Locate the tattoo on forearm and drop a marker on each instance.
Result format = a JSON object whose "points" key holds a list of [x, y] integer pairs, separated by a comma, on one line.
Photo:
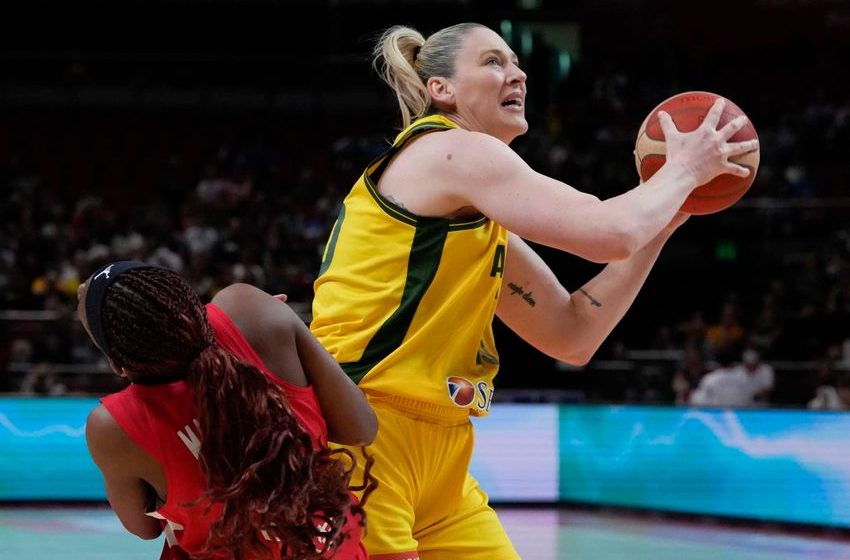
{"points": [[593, 302], [517, 290]]}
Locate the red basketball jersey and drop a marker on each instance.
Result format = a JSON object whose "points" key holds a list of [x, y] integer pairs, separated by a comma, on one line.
{"points": [[161, 420]]}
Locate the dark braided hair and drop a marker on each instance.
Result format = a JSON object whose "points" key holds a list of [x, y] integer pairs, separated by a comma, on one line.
{"points": [[258, 461]]}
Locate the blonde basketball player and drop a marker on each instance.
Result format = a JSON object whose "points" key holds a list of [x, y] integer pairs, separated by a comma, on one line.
{"points": [[429, 246]]}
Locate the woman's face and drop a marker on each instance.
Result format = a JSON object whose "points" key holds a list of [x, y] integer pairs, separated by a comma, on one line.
{"points": [[489, 86]]}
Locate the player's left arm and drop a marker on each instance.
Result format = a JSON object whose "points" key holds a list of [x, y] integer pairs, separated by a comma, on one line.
{"points": [[570, 327], [117, 457]]}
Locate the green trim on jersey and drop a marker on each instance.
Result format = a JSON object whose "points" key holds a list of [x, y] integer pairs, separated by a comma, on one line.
{"points": [[425, 253], [375, 169], [331, 247]]}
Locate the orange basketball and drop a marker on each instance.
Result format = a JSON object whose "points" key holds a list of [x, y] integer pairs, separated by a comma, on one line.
{"points": [[688, 111]]}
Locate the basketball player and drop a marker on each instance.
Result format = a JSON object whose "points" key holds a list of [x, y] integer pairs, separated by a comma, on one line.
{"points": [[220, 439], [429, 246]]}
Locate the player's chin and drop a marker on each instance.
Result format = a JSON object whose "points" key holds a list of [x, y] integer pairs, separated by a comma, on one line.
{"points": [[518, 125], [522, 125]]}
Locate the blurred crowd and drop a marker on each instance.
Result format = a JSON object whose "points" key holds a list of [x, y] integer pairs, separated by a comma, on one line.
{"points": [[227, 198]]}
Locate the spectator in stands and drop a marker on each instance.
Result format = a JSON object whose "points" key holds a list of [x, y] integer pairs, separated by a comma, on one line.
{"points": [[688, 374], [732, 385], [829, 393], [692, 330], [727, 333], [42, 380], [761, 375]]}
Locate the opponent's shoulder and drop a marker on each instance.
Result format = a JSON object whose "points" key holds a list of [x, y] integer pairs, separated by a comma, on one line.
{"points": [[236, 295], [100, 420], [105, 437], [259, 316]]}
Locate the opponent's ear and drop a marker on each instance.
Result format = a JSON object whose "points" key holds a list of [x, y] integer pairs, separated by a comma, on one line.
{"points": [[119, 371], [442, 92]]}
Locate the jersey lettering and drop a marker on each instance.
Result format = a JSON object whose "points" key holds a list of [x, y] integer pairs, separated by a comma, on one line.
{"points": [[485, 396], [190, 438], [169, 529], [498, 268]]}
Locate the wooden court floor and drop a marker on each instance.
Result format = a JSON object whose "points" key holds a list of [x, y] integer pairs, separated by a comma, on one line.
{"points": [[93, 533]]}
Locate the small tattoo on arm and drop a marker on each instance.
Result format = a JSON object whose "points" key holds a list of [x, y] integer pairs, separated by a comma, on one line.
{"points": [[593, 301], [526, 296]]}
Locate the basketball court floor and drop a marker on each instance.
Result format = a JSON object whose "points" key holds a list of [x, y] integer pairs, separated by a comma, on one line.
{"points": [[94, 533]]}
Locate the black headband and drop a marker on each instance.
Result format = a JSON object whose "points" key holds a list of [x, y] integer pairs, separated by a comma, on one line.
{"points": [[96, 294]]}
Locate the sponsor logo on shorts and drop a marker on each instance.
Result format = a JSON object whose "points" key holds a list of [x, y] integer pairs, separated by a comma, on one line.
{"points": [[461, 391], [466, 394]]}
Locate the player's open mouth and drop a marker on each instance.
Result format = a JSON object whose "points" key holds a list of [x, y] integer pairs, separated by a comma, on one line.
{"points": [[513, 101]]}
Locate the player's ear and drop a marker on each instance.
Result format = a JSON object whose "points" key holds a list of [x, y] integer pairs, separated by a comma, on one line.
{"points": [[116, 369], [442, 92]]}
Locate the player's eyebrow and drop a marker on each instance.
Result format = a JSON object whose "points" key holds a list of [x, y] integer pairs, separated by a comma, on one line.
{"points": [[512, 55]]}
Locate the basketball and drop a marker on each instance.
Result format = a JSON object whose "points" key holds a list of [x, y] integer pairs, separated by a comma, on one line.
{"points": [[688, 111]]}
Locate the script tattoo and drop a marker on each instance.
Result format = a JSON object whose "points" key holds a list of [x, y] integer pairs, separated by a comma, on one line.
{"points": [[593, 302], [518, 290]]}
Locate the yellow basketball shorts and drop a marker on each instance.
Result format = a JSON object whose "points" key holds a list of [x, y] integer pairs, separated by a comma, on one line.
{"points": [[427, 505]]}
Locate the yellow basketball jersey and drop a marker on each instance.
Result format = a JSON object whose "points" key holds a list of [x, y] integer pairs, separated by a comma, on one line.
{"points": [[405, 303]]}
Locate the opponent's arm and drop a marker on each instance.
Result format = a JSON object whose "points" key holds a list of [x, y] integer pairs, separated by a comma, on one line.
{"points": [[350, 418], [117, 457], [292, 352], [570, 327]]}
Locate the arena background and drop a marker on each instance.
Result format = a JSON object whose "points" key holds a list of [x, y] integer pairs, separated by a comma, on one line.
{"points": [[219, 137]]}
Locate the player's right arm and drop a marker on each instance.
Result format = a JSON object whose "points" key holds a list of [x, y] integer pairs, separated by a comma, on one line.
{"points": [[468, 169], [118, 457]]}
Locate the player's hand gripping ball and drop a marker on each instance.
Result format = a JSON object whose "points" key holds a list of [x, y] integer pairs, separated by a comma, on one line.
{"points": [[688, 111]]}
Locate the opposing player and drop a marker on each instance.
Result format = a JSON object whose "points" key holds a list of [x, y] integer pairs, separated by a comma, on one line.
{"points": [[221, 438]]}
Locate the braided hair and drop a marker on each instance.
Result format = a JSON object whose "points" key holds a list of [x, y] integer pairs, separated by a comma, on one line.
{"points": [[258, 462]]}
